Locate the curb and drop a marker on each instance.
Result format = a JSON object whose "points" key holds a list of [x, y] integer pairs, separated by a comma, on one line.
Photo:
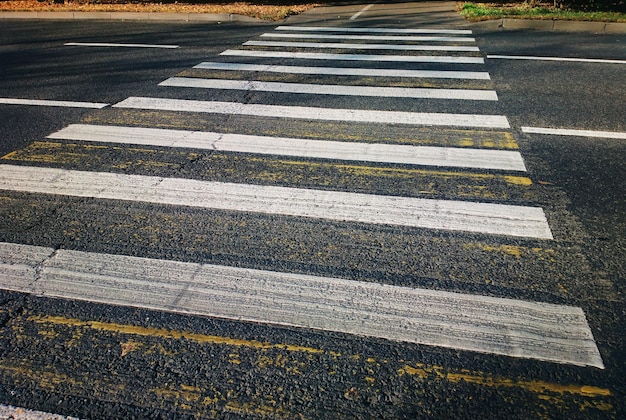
{"points": [[553, 25], [145, 16], [504, 24]]}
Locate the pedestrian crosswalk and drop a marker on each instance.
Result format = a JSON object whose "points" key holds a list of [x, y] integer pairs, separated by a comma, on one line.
{"points": [[342, 90], [465, 321], [346, 71]]}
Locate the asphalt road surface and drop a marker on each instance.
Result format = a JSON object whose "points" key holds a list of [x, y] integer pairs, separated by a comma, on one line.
{"points": [[330, 218]]}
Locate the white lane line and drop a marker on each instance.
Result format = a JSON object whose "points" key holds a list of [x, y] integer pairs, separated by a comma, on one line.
{"points": [[66, 104], [321, 149], [314, 113], [374, 91], [106, 44], [371, 37], [509, 327], [340, 45], [576, 133], [484, 218], [347, 71], [373, 30], [354, 16], [565, 59], [357, 57]]}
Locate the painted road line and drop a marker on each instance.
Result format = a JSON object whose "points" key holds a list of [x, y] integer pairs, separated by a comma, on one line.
{"points": [[106, 44], [340, 45], [359, 13], [37, 102], [346, 71], [356, 57], [515, 328], [319, 89], [575, 133], [404, 38], [486, 218], [408, 367], [349, 175], [349, 151], [314, 113], [564, 59], [373, 30]]}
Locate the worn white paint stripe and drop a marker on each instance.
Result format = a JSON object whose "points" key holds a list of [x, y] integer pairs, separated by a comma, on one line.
{"points": [[346, 46], [314, 113], [515, 328], [357, 14], [565, 59], [373, 30], [485, 218], [107, 44], [375, 91], [404, 38], [575, 133], [346, 71], [356, 57], [366, 152], [38, 102]]}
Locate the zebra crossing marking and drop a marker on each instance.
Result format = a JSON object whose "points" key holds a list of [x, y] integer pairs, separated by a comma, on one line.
{"points": [[373, 30], [350, 151], [356, 57], [406, 38], [321, 89], [509, 327], [501, 326], [316, 113], [485, 218], [346, 71], [349, 46]]}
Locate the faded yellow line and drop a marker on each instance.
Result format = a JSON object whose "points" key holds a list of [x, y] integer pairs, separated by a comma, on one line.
{"points": [[185, 397], [514, 250], [335, 131], [480, 378], [373, 170], [171, 334], [544, 390], [71, 153]]}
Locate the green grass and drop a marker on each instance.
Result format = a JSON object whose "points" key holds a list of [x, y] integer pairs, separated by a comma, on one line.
{"points": [[486, 11]]}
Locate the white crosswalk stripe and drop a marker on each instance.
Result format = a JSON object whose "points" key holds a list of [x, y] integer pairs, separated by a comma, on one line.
{"points": [[373, 30], [555, 333], [361, 46], [356, 57], [318, 89], [500, 326], [403, 38], [346, 71], [498, 219], [366, 152], [314, 113]]}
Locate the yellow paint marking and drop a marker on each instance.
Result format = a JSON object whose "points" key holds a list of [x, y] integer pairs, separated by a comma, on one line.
{"points": [[172, 334], [544, 390], [513, 250], [50, 379], [410, 173], [43, 152], [480, 378]]}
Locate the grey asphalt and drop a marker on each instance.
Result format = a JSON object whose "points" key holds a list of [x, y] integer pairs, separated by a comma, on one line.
{"points": [[97, 361]]}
